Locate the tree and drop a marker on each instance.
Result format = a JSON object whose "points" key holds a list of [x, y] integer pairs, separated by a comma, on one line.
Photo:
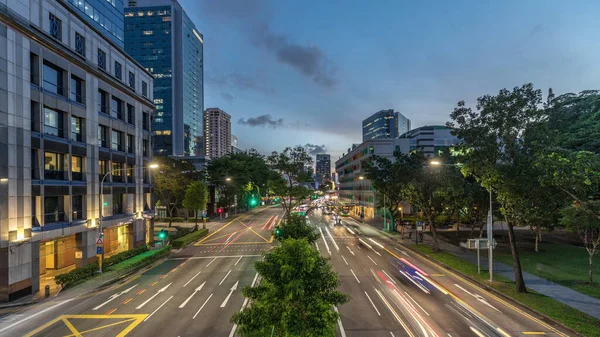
{"points": [[295, 296], [296, 227], [497, 146], [290, 165], [587, 225], [171, 182], [196, 197]]}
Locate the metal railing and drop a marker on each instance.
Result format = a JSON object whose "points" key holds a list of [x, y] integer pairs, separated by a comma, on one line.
{"points": [[54, 175], [54, 217]]}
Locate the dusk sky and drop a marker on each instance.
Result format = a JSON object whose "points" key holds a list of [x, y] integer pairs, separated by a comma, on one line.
{"points": [[308, 72]]}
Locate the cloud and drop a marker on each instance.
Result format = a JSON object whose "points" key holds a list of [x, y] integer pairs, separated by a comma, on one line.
{"points": [[227, 96], [263, 121], [313, 149], [239, 82]]}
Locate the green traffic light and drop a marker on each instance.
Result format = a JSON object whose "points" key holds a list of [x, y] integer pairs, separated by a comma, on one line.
{"points": [[253, 202], [162, 235]]}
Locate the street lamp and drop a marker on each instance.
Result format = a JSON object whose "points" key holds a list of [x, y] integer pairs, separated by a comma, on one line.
{"points": [[490, 225], [101, 201], [228, 179]]}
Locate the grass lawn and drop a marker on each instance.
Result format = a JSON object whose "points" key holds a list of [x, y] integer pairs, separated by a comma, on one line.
{"points": [[575, 319], [563, 264]]}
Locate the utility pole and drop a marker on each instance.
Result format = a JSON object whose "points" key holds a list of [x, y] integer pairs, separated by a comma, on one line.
{"points": [[490, 237]]}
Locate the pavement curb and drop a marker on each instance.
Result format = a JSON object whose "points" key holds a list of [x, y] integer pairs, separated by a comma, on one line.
{"points": [[505, 297]]}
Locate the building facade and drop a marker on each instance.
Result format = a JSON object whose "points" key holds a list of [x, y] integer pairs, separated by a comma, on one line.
{"points": [[105, 15], [384, 124], [217, 132], [323, 168], [355, 193], [432, 140], [234, 145], [83, 121], [161, 37]]}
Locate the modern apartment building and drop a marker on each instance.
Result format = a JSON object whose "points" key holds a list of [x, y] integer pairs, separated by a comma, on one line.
{"points": [[105, 15], [323, 168], [161, 37], [73, 107], [355, 193], [384, 124], [217, 132], [432, 140], [234, 145]]}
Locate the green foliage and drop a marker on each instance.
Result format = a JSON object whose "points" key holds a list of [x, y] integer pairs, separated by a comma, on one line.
{"points": [[196, 197], [141, 260], [77, 276], [295, 297], [290, 164], [585, 221], [124, 256], [171, 180], [296, 227], [189, 238]]}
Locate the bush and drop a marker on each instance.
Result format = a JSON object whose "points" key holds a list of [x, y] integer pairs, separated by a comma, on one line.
{"points": [[175, 219], [142, 260], [124, 255], [186, 239], [180, 232], [78, 275]]}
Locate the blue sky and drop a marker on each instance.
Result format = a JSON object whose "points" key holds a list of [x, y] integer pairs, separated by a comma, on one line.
{"points": [[317, 68]]}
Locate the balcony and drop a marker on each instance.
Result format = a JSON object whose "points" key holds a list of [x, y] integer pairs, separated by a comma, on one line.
{"points": [[54, 175], [78, 215], [54, 217], [78, 176], [130, 179]]}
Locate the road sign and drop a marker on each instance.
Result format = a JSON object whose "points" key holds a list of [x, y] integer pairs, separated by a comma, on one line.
{"points": [[99, 241], [99, 250], [78, 254], [419, 226]]}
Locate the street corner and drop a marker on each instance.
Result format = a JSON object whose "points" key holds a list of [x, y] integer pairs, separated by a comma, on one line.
{"points": [[90, 325]]}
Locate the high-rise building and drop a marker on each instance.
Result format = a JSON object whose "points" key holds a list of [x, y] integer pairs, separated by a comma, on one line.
{"points": [[323, 167], [84, 122], [431, 139], [217, 132], [384, 124], [104, 15], [161, 36], [234, 145]]}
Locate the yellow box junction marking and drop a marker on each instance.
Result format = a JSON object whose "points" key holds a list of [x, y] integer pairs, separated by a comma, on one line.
{"points": [[533, 333], [68, 320], [212, 241], [215, 232]]}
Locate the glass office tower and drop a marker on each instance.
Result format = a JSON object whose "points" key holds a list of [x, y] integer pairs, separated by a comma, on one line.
{"points": [[385, 124], [161, 37], [105, 15]]}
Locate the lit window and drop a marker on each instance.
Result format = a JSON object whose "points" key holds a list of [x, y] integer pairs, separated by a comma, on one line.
{"points": [[150, 13], [140, 13], [147, 32], [128, 15], [166, 18]]}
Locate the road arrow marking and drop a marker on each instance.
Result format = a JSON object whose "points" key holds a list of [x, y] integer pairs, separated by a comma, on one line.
{"points": [[229, 296], [351, 252], [477, 297], [112, 297], [223, 280], [153, 296], [192, 295]]}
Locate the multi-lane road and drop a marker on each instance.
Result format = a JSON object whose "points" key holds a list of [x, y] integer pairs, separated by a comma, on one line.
{"points": [[197, 290]]}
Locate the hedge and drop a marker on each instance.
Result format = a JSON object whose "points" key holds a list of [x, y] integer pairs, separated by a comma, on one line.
{"points": [[89, 271], [186, 239]]}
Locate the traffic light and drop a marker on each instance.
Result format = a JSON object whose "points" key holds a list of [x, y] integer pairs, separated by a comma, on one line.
{"points": [[253, 202], [220, 210], [162, 234], [277, 231]]}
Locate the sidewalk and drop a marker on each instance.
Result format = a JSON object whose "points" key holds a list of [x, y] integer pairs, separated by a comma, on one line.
{"points": [[568, 296]]}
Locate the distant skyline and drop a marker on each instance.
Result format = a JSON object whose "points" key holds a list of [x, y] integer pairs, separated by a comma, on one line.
{"points": [[309, 72]]}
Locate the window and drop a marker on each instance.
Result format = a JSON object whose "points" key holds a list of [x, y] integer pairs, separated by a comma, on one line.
{"points": [[130, 174], [77, 89], [34, 66], [53, 122], [53, 166], [145, 123], [53, 78], [132, 80], [53, 210], [102, 170], [117, 172], [145, 148], [118, 70], [130, 114], [118, 203], [102, 101], [77, 168], [130, 144], [55, 27], [144, 89], [80, 44], [77, 207], [101, 59], [116, 108], [102, 135], [117, 140], [77, 129]]}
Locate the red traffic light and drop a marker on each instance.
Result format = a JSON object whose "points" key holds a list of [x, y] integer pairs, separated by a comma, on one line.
{"points": [[220, 210]]}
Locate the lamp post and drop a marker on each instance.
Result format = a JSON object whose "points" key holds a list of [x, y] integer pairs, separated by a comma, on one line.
{"points": [[490, 225], [101, 201]]}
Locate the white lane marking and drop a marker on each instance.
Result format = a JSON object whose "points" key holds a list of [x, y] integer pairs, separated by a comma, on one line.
{"points": [[477, 297], [339, 321], [477, 332], [232, 333], [332, 240], [376, 252], [165, 302], [229, 238], [375, 276], [394, 313], [223, 280], [371, 259], [194, 293], [373, 304], [236, 262], [316, 245], [388, 275], [153, 296], [355, 276], [35, 315], [344, 259], [202, 306], [211, 261], [210, 257], [229, 295], [112, 297], [377, 243], [188, 282], [426, 313], [325, 241], [391, 333], [402, 251], [254, 281], [351, 252]]}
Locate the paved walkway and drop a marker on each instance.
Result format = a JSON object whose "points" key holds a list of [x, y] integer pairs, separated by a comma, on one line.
{"points": [[568, 296]]}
